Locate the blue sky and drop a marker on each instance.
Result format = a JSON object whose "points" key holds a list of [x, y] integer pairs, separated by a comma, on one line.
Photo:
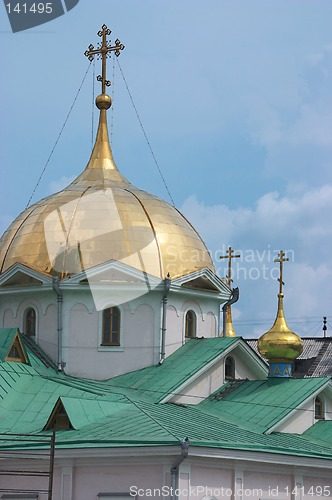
{"points": [[235, 98]]}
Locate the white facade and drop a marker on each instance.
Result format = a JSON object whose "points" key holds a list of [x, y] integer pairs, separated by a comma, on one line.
{"points": [[144, 473], [74, 341]]}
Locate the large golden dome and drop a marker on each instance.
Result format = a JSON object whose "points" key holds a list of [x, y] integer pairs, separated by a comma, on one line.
{"points": [[102, 217]]}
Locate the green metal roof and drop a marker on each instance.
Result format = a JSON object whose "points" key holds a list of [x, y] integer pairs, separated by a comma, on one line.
{"points": [[260, 404], [321, 432], [27, 397], [137, 423], [114, 414], [156, 382]]}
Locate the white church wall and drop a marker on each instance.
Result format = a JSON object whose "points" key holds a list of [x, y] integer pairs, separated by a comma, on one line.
{"points": [[303, 418], [326, 399], [91, 474], [206, 311], [8, 319], [47, 332], [213, 378], [89, 481], [211, 324], [82, 336], [244, 366], [300, 420], [208, 481], [204, 385], [174, 326], [82, 327], [314, 486], [267, 485]]}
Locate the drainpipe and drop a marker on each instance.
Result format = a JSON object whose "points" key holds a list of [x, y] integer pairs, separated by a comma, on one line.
{"points": [[234, 298], [56, 288], [175, 468], [167, 285]]}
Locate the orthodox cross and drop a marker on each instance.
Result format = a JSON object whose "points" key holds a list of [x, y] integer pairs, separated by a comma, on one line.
{"points": [[229, 255], [102, 52], [281, 260]]}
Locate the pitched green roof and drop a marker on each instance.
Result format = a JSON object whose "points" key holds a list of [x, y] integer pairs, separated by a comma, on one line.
{"points": [[138, 423], [260, 404], [156, 382], [113, 414], [27, 397], [321, 432]]}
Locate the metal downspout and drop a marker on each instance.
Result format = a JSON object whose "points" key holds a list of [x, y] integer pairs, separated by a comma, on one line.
{"points": [[56, 288], [175, 468], [234, 298], [167, 285]]}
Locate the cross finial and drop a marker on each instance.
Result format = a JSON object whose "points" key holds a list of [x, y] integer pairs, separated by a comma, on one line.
{"points": [[102, 52], [229, 255], [281, 260]]}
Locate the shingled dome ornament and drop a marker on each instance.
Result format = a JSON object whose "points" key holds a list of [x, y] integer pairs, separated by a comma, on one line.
{"points": [[280, 346]]}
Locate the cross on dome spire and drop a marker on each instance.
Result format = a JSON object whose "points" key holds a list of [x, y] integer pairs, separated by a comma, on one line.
{"points": [[229, 255], [281, 260], [103, 50]]}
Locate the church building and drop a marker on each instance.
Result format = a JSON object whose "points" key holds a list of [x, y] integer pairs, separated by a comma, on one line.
{"points": [[120, 379]]}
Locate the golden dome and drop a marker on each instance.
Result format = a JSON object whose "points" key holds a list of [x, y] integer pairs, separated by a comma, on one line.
{"points": [[280, 344], [101, 217]]}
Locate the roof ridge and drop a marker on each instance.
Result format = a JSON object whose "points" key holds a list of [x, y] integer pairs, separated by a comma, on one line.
{"points": [[318, 358], [37, 351], [230, 387]]}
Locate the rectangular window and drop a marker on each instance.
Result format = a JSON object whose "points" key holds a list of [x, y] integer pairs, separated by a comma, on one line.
{"points": [[111, 327]]}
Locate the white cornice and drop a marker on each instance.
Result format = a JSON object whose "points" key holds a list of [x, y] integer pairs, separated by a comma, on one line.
{"points": [[250, 460], [204, 273], [21, 268]]}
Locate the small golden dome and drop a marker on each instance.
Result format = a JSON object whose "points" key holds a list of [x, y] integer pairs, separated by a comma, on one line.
{"points": [[229, 328], [280, 344], [101, 217]]}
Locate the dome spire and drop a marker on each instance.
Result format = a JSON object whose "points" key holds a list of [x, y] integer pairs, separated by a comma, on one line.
{"points": [[101, 164], [280, 346], [228, 323]]}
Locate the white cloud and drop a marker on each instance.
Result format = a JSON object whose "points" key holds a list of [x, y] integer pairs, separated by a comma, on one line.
{"points": [[299, 224]]}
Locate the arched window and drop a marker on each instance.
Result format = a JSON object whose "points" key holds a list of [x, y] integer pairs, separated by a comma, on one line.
{"points": [[229, 368], [111, 327], [30, 322], [190, 325], [319, 408]]}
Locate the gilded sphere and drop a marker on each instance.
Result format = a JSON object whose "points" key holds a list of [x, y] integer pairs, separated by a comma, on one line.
{"points": [[280, 346], [280, 343], [103, 101]]}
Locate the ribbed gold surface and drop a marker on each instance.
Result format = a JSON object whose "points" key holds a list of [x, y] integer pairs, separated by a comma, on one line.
{"points": [[102, 217], [280, 343]]}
